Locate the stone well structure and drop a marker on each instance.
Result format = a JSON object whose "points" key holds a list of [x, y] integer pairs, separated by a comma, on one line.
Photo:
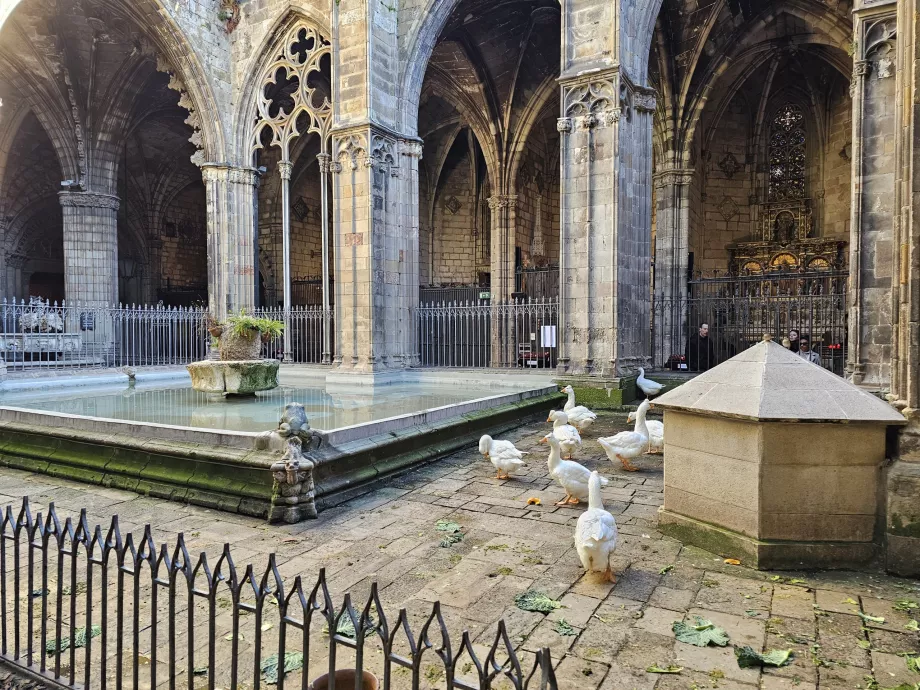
{"points": [[776, 462]]}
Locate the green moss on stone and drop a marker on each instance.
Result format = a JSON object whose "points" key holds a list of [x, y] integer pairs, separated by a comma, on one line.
{"points": [[904, 528], [713, 539], [600, 398]]}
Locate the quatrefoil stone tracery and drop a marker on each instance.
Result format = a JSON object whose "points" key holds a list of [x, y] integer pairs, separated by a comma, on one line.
{"points": [[289, 73]]}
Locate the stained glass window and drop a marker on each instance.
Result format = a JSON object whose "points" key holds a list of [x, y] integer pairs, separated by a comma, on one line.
{"points": [[787, 154]]}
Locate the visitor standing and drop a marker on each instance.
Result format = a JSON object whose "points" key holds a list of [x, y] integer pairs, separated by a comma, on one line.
{"points": [[701, 353], [793, 340], [805, 351]]}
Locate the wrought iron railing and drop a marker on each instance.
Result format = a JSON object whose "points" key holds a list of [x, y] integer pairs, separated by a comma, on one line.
{"points": [[775, 283], [84, 607], [308, 291], [43, 335], [520, 334], [306, 326], [537, 283], [736, 323]]}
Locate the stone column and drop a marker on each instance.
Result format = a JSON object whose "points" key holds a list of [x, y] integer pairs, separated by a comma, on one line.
{"points": [[902, 495], [375, 240], [231, 193], [376, 253], [408, 236], [672, 254], [14, 288], [872, 206], [606, 224], [154, 270], [503, 208], [90, 247]]}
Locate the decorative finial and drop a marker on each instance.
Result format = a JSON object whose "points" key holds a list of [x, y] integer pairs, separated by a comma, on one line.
{"points": [[767, 337]]}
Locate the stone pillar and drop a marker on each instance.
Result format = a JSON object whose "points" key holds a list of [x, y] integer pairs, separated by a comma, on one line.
{"points": [[14, 265], [503, 208], [376, 181], [606, 224], [231, 194], [376, 252], [154, 269], [90, 247], [873, 201], [408, 236], [902, 497], [672, 255]]}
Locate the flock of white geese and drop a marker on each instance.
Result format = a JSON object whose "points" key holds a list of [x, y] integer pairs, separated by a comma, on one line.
{"points": [[596, 531]]}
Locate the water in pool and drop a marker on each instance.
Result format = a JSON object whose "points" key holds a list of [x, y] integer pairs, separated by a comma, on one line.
{"points": [[327, 407]]}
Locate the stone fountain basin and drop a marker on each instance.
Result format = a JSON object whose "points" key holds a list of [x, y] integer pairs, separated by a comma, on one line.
{"points": [[234, 377]]}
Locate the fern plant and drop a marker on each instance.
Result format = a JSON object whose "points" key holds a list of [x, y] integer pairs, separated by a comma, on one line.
{"points": [[241, 323]]}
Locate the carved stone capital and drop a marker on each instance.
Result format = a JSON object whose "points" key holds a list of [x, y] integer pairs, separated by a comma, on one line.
{"points": [[325, 162], [676, 177], [503, 201], [645, 101], [286, 169], [860, 68], [411, 148], [88, 200], [16, 260], [564, 124], [246, 176]]}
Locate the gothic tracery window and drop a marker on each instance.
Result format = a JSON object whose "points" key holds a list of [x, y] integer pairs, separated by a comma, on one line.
{"points": [[787, 154]]}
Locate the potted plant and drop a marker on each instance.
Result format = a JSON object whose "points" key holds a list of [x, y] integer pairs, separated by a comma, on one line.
{"points": [[242, 336], [215, 328]]}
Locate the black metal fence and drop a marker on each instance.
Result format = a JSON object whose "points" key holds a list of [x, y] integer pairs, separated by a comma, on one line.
{"points": [[45, 335], [738, 322], [520, 333], [309, 291], [83, 607], [306, 333], [537, 283]]}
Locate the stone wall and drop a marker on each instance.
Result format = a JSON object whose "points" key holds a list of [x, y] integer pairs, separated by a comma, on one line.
{"points": [[184, 257], [455, 217], [726, 206], [538, 201], [838, 167]]}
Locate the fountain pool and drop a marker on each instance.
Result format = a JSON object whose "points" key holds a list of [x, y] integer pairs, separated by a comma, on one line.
{"points": [[329, 406], [165, 439]]}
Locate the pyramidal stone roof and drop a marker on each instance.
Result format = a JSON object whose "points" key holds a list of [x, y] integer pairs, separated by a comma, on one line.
{"points": [[769, 382]]}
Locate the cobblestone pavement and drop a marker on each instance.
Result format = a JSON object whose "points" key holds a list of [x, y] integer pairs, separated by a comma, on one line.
{"points": [[845, 628]]}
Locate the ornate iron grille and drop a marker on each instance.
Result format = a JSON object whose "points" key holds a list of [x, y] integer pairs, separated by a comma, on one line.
{"points": [[83, 608], [787, 154]]}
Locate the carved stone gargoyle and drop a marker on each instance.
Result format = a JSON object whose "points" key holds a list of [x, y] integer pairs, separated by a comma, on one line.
{"points": [[293, 422], [293, 493]]}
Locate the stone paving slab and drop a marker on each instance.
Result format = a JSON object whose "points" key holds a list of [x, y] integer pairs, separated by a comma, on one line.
{"points": [[390, 536]]}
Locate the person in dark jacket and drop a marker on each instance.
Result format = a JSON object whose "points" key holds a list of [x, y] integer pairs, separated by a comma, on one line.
{"points": [[701, 352], [794, 340]]}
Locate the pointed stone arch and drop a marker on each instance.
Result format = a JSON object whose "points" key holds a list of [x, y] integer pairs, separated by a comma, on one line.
{"points": [[244, 117]]}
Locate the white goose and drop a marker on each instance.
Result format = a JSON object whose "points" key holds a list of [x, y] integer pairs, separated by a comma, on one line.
{"points": [[502, 454], [655, 432], [596, 532], [649, 387], [568, 436], [571, 475], [579, 416], [628, 444]]}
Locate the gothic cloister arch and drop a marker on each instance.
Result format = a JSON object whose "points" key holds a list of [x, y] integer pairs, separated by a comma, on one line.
{"points": [[244, 116], [154, 19], [94, 110]]}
